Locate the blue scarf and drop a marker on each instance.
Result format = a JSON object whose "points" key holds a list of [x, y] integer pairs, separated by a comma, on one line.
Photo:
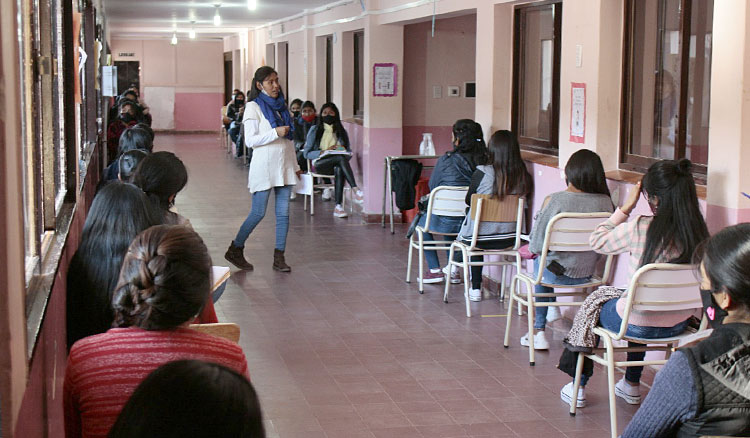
{"points": [[275, 111]]}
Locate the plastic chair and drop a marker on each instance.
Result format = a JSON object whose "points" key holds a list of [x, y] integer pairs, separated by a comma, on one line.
{"points": [[223, 133], [226, 330], [311, 172], [486, 209], [654, 287], [567, 232], [443, 201]]}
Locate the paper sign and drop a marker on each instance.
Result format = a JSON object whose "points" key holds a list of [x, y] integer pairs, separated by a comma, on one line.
{"points": [[305, 184], [577, 112], [384, 80], [109, 80]]}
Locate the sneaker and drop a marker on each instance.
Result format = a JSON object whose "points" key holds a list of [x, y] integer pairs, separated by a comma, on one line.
{"points": [[293, 195], [339, 211], [327, 194], [540, 341], [359, 197], [631, 394], [455, 274], [475, 294], [433, 277], [566, 394], [553, 313]]}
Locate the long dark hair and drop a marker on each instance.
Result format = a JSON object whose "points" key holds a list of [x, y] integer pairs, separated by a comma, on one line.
{"points": [[161, 175], [134, 138], [338, 128], [678, 226], [118, 213], [726, 260], [260, 75], [191, 398], [164, 281], [470, 138], [511, 175], [584, 170]]}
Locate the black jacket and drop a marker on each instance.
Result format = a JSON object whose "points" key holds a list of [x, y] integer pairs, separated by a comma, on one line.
{"points": [[404, 177], [452, 169], [721, 370]]}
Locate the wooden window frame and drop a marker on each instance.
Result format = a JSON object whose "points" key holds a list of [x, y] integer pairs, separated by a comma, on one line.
{"points": [[358, 109], [550, 147]]}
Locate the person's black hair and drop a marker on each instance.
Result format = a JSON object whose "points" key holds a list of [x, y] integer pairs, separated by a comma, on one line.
{"points": [[118, 213], [338, 128], [130, 92], [308, 104], [134, 138], [238, 94], [511, 175], [128, 162], [297, 101], [678, 226], [123, 102], [147, 128], [161, 176], [191, 398], [260, 75], [165, 279], [470, 139], [726, 260], [584, 170]]}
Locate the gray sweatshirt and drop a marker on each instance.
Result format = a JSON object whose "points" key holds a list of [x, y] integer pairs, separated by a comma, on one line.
{"points": [[576, 264]]}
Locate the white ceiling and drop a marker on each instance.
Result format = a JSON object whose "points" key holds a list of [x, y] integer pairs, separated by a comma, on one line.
{"points": [[159, 18]]}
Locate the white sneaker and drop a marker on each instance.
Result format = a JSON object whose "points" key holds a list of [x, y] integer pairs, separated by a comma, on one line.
{"points": [[566, 394], [631, 394], [553, 313], [293, 195], [475, 294], [455, 274], [540, 341], [327, 194], [359, 197], [339, 211]]}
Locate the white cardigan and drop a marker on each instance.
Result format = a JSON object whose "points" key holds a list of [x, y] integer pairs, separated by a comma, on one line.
{"points": [[274, 162]]}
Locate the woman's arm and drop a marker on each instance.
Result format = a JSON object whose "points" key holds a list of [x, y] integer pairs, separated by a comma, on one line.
{"points": [[671, 401], [536, 237], [312, 150], [476, 178], [253, 136]]}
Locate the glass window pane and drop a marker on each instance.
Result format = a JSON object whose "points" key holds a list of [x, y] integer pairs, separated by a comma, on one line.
{"points": [[535, 111], [699, 81]]}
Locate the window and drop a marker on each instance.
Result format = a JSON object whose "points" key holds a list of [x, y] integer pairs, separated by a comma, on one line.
{"points": [[667, 82], [536, 75], [359, 74]]}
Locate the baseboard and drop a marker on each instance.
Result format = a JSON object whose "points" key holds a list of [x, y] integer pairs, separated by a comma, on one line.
{"points": [[375, 218], [175, 132]]}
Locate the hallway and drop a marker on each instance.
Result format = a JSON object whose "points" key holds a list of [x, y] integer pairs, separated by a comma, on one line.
{"points": [[343, 347]]}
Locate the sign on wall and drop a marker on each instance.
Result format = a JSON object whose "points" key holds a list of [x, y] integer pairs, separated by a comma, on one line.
{"points": [[109, 80], [384, 80], [578, 112]]}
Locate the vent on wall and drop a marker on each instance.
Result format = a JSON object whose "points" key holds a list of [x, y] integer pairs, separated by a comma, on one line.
{"points": [[470, 89]]}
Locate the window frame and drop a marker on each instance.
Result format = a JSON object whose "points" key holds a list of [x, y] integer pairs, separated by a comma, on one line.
{"points": [[358, 105], [641, 163], [550, 147]]}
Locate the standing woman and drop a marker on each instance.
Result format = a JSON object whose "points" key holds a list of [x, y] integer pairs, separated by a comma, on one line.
{"points": [[269, 132]]}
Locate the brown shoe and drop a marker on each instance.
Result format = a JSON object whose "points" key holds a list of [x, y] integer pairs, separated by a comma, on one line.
{"points": [[235, 256], [279, 264]]}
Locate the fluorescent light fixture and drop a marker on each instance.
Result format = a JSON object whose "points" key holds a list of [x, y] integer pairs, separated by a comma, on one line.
{"points": [[174, 39], [217, 17], [192, 30], [252, 4]]}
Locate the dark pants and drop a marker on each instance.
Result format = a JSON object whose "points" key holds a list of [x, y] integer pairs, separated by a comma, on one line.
{"points": [[301, 160], [476, 271], [338, 165]]}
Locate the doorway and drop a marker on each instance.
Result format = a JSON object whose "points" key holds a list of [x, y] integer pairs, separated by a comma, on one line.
{"points": [[227, 76], [128, 75]]}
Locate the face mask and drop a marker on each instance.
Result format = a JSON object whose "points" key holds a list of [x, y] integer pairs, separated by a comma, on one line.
{"points": [[295, 114], [265, 92], [126, 117], [714, 313], [309, 119], [240, 101], [329, 119]]}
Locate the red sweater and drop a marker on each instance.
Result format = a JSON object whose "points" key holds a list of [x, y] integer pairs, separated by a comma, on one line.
{"points": [[104, 370]]}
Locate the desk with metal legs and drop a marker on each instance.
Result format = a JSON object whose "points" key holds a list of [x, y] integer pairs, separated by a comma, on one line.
{"points": [[388, 184]]}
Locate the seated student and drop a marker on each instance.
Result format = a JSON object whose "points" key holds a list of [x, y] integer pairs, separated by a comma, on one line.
{"points": [[295, 107], [161, 176], [191, 399], [323, 145], [132, 138], [125, 119], [669, 236], [587, 192], [148, 129], [455, 169], [118, 213], [505, 174], [164, 282], [302, 124], [127, 164], [704, 389], [235, 111]]}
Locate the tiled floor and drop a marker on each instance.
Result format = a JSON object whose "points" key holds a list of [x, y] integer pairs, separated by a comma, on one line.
{"points": [[343, 347]]}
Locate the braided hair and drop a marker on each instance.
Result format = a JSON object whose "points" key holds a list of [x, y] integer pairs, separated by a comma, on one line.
{"points": [[164, 280]]}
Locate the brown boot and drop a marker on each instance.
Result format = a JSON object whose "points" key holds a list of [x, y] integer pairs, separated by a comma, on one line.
{"points": [[279, 264], [235, 256]]}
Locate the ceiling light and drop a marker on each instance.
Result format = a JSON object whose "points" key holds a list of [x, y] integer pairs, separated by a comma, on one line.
{"points": [[174, 39], [252, 4], [192, 31], [217, 17]]}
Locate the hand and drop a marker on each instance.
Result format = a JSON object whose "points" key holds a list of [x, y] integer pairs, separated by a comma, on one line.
{"points": [[282, 131], [632, 199], [299, 172]]}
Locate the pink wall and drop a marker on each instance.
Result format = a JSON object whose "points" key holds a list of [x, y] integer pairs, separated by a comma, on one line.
{"points": [[356, 139], [197, 111]]}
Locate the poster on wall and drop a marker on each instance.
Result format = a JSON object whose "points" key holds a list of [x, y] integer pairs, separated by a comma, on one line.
{"points": [[577, 112], [109, 80], [384, 80]]}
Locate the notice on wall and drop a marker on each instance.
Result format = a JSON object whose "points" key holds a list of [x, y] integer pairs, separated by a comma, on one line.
{"points": [[384, 80], [109, 80], [577, 112]]}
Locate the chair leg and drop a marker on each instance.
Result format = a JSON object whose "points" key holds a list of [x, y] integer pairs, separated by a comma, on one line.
{"points": [[502, 283], [576, 384], [448, 276], [513, 284], [304, 202], [465, 264], [312, 204], [530, 317], [409, 258], [611, 385], [421, 264]]}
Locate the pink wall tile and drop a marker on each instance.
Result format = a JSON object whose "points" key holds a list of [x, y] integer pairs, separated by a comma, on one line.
{"points": [[718, 217], [356, 139], [378, 143], [197, 111]]}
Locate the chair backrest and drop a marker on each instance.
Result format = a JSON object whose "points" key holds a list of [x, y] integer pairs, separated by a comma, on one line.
{"points": [[226, 330], [495, 210], [448, 201]]}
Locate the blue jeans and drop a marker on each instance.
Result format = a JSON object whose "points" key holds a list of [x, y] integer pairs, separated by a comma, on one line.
{"points": [[440, 224], [258, 211], [540, 313], [234, 131], [610, 320]]}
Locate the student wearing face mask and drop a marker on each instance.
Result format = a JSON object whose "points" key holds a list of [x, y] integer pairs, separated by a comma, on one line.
{"points": [[704, 389], [295, 107], [327, 146], [235, 111], [125, 119], [306, 120], [269, 132]]}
